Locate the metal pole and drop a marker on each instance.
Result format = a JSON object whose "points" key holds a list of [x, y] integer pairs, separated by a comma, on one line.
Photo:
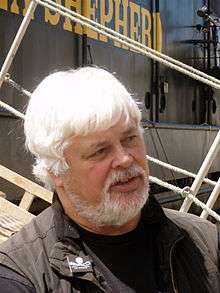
{"points": [[84, 35], [19, 36], [157, 64], [202, 172], [212, 199]]}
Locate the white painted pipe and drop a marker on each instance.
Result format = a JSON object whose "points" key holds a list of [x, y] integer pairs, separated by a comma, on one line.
{"points": [[18, 38], [212, 199], [202, 172], [178, 170]]}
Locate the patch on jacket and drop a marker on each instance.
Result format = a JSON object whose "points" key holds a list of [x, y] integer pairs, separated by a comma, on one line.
{"points": [[79, 264]]}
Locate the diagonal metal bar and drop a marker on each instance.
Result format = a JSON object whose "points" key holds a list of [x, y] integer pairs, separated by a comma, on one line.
{"points": [[178, 170], [212, 199], [202, 172], [18, 38]]}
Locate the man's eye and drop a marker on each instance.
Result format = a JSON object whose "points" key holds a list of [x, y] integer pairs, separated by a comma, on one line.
{"points": [[98, 153], [131, 138]]}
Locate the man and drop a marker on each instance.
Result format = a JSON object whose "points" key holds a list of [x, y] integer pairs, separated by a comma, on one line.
{"points": [[103, 233]]}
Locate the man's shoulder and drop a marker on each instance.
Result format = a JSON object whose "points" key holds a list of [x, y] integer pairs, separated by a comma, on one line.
{"points": [[186, 218], [203, 232], [38, 229], [12, 282]]}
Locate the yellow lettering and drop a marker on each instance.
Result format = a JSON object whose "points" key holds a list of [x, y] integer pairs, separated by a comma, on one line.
{"points": [[105, 17], [4, 4], [76, 4], [14, 7], [157, 44], [146, 27], [89, 10], [134, 21], [121, 22], [27, 3], [52, 18]]}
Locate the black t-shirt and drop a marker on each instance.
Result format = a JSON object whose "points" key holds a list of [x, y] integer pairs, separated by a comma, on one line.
{"points": [[127, 261], [130, 257]]}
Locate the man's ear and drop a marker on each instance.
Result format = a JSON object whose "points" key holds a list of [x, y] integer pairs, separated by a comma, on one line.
{"points": [[57, 179]]}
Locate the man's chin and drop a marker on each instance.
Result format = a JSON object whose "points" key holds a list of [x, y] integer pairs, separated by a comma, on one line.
{"points": [[116, 209], [134, 198]]}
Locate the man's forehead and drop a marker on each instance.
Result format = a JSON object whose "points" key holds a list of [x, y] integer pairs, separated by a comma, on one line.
{"points": [[101, 137]]}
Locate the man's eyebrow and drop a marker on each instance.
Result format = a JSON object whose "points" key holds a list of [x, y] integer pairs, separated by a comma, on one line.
{"points": [[130, 130], [105, 142], [98, 144]]}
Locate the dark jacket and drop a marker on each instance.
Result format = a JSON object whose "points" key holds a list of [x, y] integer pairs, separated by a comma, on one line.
{"points": [[44, 250]]}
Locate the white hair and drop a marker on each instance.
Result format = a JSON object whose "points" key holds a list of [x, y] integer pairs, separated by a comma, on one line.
{"points": [[70, 103]]}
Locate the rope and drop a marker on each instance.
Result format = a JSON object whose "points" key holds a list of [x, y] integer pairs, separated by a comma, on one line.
{"points": [[167, 185], [17, 86], [178, 170], [164, 151], [185, 192], [12, 110], [138, 47], [210, 157]]}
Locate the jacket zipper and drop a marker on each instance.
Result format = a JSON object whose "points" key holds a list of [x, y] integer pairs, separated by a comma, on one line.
{"points": [[171, 263]]}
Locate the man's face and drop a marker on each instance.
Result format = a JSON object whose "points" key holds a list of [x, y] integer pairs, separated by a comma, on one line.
{"points": [[108, 174]]}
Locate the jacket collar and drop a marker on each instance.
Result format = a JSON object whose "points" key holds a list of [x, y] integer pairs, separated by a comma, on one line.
{"points": [[64, 226], [167, 231], [152, 212]]}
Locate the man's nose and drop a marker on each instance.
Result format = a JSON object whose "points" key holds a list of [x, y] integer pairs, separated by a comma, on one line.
{"points": [[122, 158]]}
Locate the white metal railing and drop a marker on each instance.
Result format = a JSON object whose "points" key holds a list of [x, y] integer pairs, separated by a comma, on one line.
{"points": [[17, 41], [212, 153]]}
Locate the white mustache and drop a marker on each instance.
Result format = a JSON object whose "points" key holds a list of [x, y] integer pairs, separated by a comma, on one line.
{"points": [[123, 175]]}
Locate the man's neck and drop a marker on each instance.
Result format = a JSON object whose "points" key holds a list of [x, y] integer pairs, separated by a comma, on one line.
{"points": [[109, 230]]}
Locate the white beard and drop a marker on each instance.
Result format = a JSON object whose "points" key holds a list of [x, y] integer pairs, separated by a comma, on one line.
{"points": [[113, 210]]}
